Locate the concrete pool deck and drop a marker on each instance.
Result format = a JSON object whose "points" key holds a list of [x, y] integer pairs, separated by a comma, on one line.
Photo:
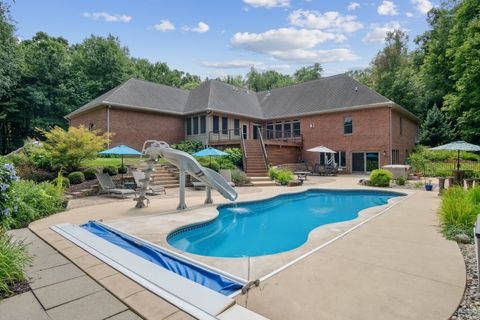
{"points": [[396, 266]]}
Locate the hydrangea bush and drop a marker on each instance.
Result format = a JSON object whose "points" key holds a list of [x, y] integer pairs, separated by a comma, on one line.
{"points": [[7, 177]]}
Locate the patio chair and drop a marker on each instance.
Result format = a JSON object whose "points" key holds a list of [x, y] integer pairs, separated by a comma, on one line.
{"points": [[152, 190], [107, 186], [227, 175], [197, 184]]}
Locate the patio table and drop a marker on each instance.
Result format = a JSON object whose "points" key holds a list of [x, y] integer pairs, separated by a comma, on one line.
{"points": [[301, 175]]}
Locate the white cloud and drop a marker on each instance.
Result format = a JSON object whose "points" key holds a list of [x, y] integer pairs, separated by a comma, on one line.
{"points": [[107, 17], [277, 67], [409, 14], [378, 33], [164, 25], [232, 64], [289, 44], [422, 6], [387, 8], [312, 56], [331, 21], [201, 27], [353, 6], [267, 3], [283, 39]]}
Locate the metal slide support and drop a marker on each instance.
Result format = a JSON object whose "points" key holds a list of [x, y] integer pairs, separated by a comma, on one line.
{"points": [[182, 205], [477, 247], [208, 199]]}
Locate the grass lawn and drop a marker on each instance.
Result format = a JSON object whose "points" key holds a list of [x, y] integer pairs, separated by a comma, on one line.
{"points": [[116, 162]]}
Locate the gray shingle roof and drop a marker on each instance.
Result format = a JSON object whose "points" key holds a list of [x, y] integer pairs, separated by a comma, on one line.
{"points": [[326, 94], [330, 93]]}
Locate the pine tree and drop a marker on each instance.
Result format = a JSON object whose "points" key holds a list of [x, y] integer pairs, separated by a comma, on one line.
{"points": [[435, 129]]}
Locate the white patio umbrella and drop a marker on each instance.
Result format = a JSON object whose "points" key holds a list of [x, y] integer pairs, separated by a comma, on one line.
{"points": [[320, 150]]}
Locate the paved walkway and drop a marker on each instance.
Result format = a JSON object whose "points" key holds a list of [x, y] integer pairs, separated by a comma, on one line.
{"points": [[60, 290], [396, 266]]}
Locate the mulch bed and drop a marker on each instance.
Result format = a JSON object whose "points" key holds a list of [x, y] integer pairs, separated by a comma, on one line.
{"points": [[469, 308], [18, 288]]}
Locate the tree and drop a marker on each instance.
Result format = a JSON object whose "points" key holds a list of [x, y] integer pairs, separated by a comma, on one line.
{"points": [[270, 79], [233, 80], [463, 103], [69, 148], [435, 130], [313, 72]]}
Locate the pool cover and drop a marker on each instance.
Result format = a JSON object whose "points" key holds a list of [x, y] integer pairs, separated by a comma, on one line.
{"points": [[185, 269]]}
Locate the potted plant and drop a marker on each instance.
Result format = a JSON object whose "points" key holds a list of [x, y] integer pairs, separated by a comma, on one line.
{"points": [[429, 185]]}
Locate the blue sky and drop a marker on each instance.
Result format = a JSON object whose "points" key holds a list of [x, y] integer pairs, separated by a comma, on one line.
{"points": [[215, 38]]}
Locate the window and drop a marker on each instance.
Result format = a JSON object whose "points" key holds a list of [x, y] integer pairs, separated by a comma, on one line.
{"points": [[215, 124], [287, 130], [195, 125], [189, 126], [401, 125], [203, 124], [395, 156], [340, 158], [236, 126], [347, 125], [296, 128], [278, 130], [91, 126], [224, 125], [269, 130]]}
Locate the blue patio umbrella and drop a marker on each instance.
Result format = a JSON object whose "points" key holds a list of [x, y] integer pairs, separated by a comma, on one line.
{"points": [[210, 152], [122, 150]]}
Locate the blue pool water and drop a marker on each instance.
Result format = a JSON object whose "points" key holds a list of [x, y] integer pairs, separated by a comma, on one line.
{"points": [[273, 225]]}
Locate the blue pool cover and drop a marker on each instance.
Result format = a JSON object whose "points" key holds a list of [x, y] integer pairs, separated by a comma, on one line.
{"points": [[187, 270]]}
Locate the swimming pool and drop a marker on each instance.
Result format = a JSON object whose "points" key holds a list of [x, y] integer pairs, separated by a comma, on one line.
{"points": [[273, 225]]}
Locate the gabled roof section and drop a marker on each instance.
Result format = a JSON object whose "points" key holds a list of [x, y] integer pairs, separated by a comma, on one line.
{"points": [[325, 94], [140, 94]]}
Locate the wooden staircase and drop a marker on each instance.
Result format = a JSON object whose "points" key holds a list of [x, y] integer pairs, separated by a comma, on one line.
{"points": [[256, 166]]}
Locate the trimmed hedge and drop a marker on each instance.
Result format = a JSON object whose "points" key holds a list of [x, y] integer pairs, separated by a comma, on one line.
{"points": [[110, 170], [76, 177], [89, 173], [380, 178]]}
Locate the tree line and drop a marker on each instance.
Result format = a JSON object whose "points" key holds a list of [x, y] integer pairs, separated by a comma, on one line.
{"points": [[44, 78]]}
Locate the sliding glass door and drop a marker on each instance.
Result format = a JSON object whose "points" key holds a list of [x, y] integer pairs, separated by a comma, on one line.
{"points": [[365, 161]]}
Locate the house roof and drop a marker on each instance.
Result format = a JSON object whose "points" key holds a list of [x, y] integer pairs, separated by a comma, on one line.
{"points": [[323, 95]]}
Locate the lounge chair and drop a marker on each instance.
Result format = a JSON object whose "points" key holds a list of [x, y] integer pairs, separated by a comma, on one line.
{"points": [[152, 190], [227, 175], [197, 184], [107, 186]]}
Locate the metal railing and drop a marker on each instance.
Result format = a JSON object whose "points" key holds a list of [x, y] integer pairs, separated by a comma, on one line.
{"points": [[244, 152], [294, 137], [225, 135], [262, 144]]}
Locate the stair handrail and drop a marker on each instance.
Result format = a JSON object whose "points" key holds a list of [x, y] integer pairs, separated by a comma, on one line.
{"points": [[264, 149], [244, 152]]}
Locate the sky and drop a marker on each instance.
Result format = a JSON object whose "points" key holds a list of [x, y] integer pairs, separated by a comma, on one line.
{"points": [[213, 38]]}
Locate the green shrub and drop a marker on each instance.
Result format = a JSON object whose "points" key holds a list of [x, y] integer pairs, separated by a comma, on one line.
{"points": [[89, 173], [209, 162], [14, 259], [284, 176], [380, 178], [458, 211], [400, 181], [33, 201], [239, 177], [110, 170], [122, 170], [189, 146], [76, 177], [62, 183], [273, 173], [225, 163], [235, 156], [8, 176]]}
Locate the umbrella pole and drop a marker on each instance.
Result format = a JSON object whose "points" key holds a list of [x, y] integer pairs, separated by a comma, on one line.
{"points": [[121, 179], [458, 159]]}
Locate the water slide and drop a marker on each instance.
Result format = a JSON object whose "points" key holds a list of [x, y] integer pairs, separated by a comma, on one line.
{"points": [[188, 164]]}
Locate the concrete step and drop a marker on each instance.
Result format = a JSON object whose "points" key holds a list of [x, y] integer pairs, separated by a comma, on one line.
{"points": [[260, 178], [263, 183], [168, 186]]}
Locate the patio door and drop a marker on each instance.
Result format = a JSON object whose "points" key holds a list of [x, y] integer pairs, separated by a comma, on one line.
{"points": [[358, 161], [244, 131], [365, 161], [256, 127]]}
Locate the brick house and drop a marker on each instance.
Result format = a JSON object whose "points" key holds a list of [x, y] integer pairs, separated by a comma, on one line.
{"points": [[277, 126]]}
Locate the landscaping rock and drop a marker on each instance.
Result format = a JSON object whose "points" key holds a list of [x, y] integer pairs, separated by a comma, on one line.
{"points": [[462, 238], [294, 183]]}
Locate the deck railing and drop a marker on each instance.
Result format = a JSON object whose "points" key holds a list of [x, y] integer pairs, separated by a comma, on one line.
{"points": [[294, 137], [262, 144], [244, 153], [225, 135]]}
